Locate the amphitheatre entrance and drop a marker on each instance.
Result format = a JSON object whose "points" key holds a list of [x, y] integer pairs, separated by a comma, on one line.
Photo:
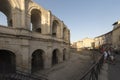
{"points": [[7, 61], [37, 60]]}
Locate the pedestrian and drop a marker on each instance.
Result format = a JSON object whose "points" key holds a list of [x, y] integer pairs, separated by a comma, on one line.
{"points": [[105, 56], [112, 57]]}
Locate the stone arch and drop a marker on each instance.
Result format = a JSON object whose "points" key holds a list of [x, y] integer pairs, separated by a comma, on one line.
{"points": [[35, 20], [7, 61], [64, 54], [37, 62], [32, 8], [55, 56], [6, 8], [3, 19], [55, 25], [39, 18]]}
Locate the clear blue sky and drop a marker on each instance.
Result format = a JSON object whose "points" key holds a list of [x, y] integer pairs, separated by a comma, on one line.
{"points": [[84, 18]]}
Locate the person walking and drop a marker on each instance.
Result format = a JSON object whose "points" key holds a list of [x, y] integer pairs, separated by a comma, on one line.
{"points": [[105, 56]]}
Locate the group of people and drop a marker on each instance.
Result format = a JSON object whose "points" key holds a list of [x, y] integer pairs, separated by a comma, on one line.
{"points": [[108, 54]]}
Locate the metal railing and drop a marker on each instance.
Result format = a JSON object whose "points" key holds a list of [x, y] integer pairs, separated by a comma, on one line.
{"points": [[94, 70]]}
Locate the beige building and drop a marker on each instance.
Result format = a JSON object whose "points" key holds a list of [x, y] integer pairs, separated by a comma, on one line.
{"points": [[84, 43], [111, 38], [116, 35], [34, 38], [105, 39]]}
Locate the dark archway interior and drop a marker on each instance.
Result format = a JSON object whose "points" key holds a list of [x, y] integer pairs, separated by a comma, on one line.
{"points": [[36, 20], [64, 53], [54, 28], [7, 61], [64, 33], [37, 61], [54, 57]]}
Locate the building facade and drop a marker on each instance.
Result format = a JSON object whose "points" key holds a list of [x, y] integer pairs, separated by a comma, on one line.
{"points": [[34, 39], [105, 39], [116, 36], [110, 39], [84, 43]]}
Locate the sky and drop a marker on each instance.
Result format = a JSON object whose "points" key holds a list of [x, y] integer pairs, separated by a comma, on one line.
{"points": [[84, 18]]}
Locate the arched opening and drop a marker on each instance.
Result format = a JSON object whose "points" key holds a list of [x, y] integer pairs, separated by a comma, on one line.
{"points": [[55, 57], [37, 60], [5, 8], [64, 33], [3, 19], [54, 28], [64, 54], [7, 61], [36, 21]]}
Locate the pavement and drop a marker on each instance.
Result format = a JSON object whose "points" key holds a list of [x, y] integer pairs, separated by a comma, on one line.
{"points": [[71, 69], [104, 72], [111, 71]]}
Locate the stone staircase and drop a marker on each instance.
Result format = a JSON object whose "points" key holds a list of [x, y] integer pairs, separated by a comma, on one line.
{"points": [[20, 76]]}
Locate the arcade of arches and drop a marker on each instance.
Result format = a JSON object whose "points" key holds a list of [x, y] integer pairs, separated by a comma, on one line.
{"points": [[32, 38], [8, 60]]}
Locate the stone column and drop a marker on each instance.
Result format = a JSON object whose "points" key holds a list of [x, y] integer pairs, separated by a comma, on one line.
{"points": [[18, 18], [59, 30], [25, 59], [28, 21], [60, 56], [48, 58]]}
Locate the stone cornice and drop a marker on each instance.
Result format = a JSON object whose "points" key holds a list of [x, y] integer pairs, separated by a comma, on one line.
{"points": [[30, 37]]}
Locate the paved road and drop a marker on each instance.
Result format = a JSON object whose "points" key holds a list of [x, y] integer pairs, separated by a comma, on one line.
{"points": [[111, 71], [71, 69], [114, 69]]}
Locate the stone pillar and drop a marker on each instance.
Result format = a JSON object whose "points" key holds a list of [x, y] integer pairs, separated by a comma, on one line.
{"points": [[19, 62], [60, 56], [45, 22], [49, 23], [48, 58], [18, 18], [25, 59], [68, 53], [59, 30], [28, 21], [62, 27]]}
